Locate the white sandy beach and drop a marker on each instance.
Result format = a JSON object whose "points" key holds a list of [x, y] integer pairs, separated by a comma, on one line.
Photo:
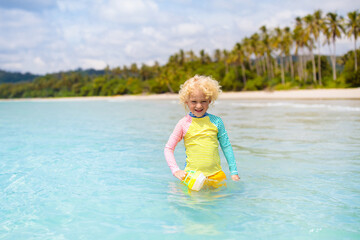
{"points": [[311, 94], [351, 93]]}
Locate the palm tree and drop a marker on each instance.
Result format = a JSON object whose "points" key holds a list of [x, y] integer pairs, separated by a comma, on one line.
{"points": [[310, 31], [181, 57], [238, 57], [174, 59], [300, 43], [246, 43], [261, 48], [265, 38], [167, 77], [191, 56], [202, 56], [255, 45], [319, 26], [353, 27], [288, 44], [226, 60], [334, 27], [217, 55], [280, 45]]}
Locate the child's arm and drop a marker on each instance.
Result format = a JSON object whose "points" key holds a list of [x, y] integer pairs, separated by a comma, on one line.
{"points": [[174, 139], [227, 150]]}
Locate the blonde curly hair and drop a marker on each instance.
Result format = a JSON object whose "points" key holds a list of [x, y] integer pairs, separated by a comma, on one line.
{"points": [[209, 86]]}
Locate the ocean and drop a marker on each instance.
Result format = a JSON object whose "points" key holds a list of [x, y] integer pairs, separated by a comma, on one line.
{"points": [[95, 169]]}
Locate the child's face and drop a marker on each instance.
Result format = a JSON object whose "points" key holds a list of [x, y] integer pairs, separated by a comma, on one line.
{"points": [[197, 103]]}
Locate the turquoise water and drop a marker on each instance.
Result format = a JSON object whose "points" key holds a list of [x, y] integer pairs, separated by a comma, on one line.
{"points": [[95, 170]]}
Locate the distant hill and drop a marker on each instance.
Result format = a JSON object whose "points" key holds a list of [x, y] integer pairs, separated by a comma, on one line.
{"points": [[14, 77]]}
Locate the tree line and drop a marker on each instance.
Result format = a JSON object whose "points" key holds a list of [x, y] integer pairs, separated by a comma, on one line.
{"points": [[10, 77], [279, 58]]}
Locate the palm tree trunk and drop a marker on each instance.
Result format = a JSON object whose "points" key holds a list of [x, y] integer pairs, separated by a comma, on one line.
{"points": [[251, 66], [333, 58], [319, 64], [299, 61], [243, 73], [313, 66], [268, 67], [236, 71], [276, 64], [263, 64], [304, 67], [257, 66], [291, 66], [271, 67], [355, 60], [282, 70], [169, 87], [226, 66]]}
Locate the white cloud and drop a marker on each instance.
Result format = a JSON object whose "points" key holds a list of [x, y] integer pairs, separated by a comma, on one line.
{"points": [[66, 34], [39, 62], [187, 29], [17, 66], [154, 33], [245, 24], [71, 6], [20, 29], [342, 6], [128, 11], [92, 63]]}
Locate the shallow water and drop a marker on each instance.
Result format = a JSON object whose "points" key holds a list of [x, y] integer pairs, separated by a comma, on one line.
{"points": [[95, 170]]}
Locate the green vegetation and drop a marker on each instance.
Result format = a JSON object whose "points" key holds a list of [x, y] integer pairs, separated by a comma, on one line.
{"points": [[7, 77], [281, 58]]}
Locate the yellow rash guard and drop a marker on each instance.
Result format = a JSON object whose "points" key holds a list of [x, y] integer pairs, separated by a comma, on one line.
{"points": [[201, 139]]}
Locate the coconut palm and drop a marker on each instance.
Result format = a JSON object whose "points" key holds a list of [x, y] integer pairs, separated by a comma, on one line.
{"points": [[238, 57], [333, 30], [278, 41], [265, 38], [167, 77], [310, 33], [217, 55], [248, 51], [262, 54], [319, 26], [181, 57], [300, 43], [203, 56], [191, 56], [288, 44], [353, 29], [226, 60], [255, 45]]}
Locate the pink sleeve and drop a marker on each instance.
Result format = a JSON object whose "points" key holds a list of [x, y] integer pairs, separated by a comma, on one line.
{"points": [[174, 139]]}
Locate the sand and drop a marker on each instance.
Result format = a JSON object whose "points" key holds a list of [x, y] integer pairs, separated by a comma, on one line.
{"points": [[311, 94], [352, 93]]}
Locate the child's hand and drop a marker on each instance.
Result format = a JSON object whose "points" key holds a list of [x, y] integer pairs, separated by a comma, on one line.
{"points": [[235, 177], [180, 174]]}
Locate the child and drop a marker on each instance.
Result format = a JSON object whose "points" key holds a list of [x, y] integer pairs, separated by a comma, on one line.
{"points": [[202, 133]]}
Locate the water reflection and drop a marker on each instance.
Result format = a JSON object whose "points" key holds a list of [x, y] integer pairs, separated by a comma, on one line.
{"points": [[200, 212]]}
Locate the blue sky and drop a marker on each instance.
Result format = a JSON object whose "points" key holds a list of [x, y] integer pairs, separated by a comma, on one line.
{"points": [[45, 36]]}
